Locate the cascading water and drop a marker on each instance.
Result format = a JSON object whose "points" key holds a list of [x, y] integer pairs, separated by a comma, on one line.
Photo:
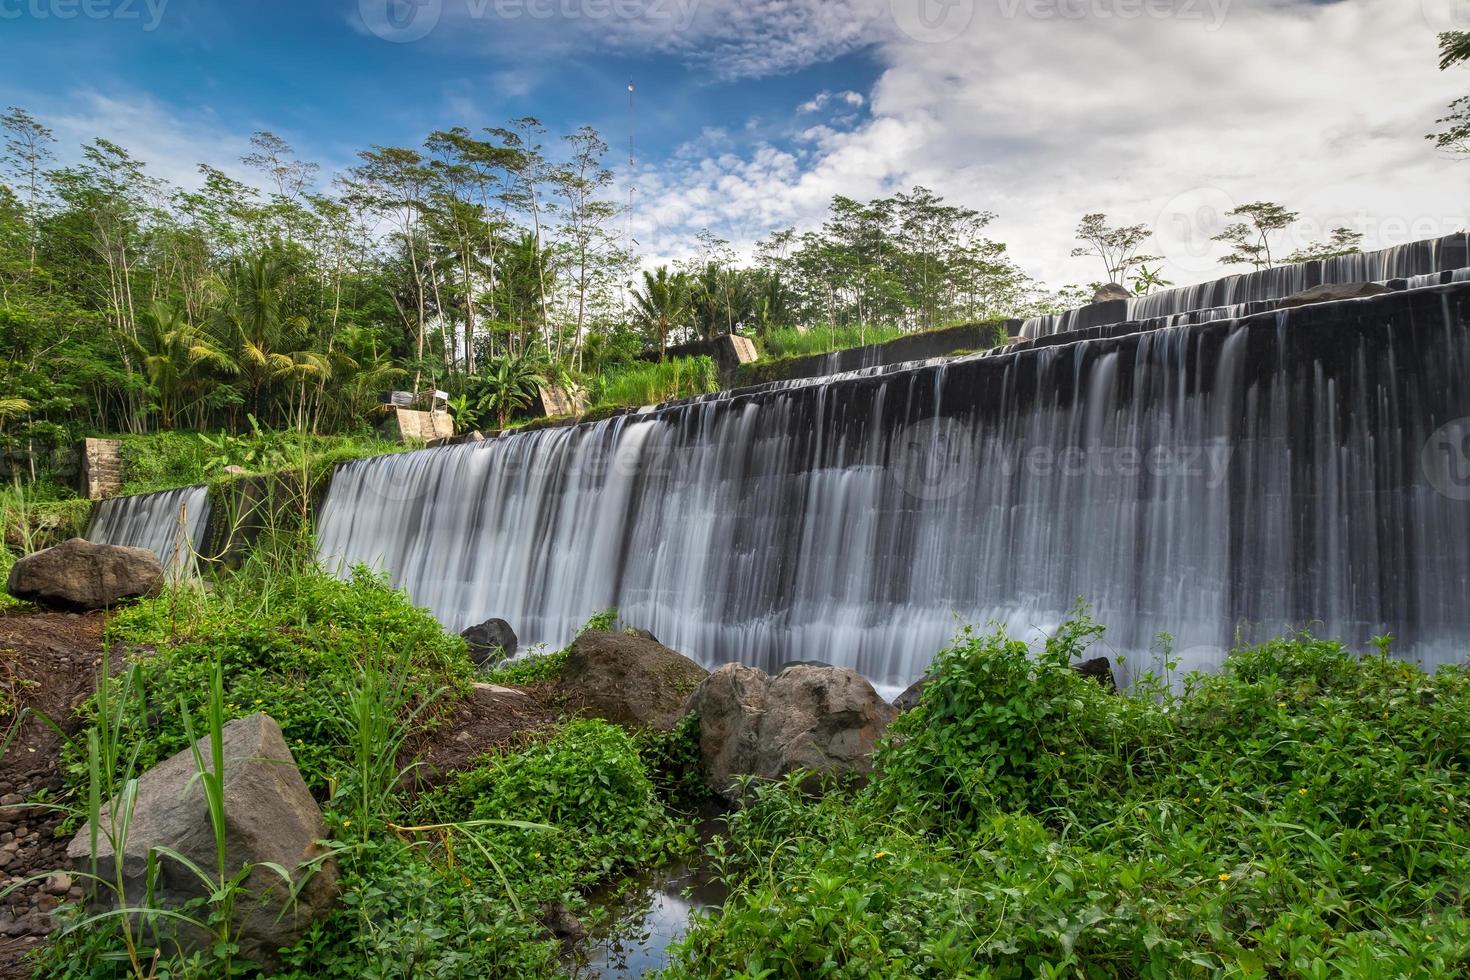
{"points": [[1223, 479], [1423, 263], [171, 524]]}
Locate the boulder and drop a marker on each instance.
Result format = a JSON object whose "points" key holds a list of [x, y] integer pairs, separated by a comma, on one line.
{"points": [[81, 576], [1331, 292], [633, 631], [821, 718], [1110, 292], [628, 680], [1099, 669], [271, 817], [491, 641], [909, 699]]}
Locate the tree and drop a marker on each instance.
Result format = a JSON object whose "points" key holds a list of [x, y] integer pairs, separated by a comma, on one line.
{"points": [[1250, 240], [662, 304], [1344, 241], [177, 357], [1454, 49], [509, 383], [27, 151], [1117, 247]]}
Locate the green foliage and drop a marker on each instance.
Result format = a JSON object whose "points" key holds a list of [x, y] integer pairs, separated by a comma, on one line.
{"points": [[406, 912], [289, 645], [643, 383], [824, 339], [588, 782], [674, 763], [540, 666], [1299, 814], [164, 460]]}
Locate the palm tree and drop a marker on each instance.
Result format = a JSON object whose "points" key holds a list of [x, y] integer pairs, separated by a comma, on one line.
{"points": [[662, 304], [253, 313], [176, 357], [508, 383]]}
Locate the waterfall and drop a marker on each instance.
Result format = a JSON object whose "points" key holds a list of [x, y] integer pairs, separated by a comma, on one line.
{"points": [[1223, 479], [161, 522], [1418, 264]]}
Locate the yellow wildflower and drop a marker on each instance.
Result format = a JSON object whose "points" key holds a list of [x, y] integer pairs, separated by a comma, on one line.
{"points": [[1302, 791], [879, 854], [1224, 876]]}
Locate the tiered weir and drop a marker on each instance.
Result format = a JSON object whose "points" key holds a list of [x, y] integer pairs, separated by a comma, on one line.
{"points": [[1231, 477]]}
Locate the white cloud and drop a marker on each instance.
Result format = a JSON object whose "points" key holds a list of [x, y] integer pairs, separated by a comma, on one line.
{"points": [[1162, 120]]}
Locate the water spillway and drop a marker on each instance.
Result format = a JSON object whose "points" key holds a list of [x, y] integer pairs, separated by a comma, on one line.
{"points": [[1216, 481], [1415, 264], [170, 523]]}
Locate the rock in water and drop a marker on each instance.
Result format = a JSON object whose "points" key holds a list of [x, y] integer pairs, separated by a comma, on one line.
{"points": [[82, 576], [1112, 291], [490, 641], [628, 680], [909, 699], [1099, 669], [270, 817], [826, 719], [1333, 292]]}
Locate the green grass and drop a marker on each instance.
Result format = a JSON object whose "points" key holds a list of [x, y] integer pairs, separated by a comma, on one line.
{"points": [[1301, 814], [450, 884], [165, 460], [824, 339], [640, 383]]}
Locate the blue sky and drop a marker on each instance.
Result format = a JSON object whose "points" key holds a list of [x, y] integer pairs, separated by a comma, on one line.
{"points": [[751, 114]]}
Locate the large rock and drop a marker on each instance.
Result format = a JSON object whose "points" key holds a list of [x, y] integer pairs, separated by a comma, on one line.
{"points": [[82, 576], [1332, 292], [825, 719], [1111, 292], [490, 641], [628, 680], [270, 817]]}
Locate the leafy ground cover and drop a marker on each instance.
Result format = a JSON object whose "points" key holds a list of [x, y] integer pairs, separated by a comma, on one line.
{"points": [[1299, 814]]}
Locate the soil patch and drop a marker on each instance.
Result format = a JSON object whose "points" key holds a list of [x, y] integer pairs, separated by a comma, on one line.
{"points": [[489, 719], [48, 664]]}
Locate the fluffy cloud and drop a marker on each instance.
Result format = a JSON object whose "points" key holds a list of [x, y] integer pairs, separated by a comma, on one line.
{"points": [[1166, 112]]}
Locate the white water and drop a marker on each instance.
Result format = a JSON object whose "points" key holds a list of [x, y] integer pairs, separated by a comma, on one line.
{"points": [[1230, 478], [171, 524], [1422, 263]]}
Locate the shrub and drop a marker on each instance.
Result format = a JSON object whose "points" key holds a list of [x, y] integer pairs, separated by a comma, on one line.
{"points": [[1301, 813], [289, 645]]}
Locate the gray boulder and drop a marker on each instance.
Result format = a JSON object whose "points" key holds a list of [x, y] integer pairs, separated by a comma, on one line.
{"points": [[271, 817], [81, 576], [1331, 292], [1110, 293], [909, 699], [825, 719], [628, 680], [491, 641], [1099, 669]]}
